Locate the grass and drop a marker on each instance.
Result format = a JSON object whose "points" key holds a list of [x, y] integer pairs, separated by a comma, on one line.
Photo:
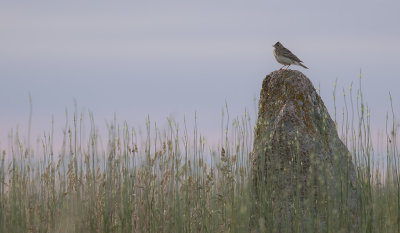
{"points": [[171, 180]]}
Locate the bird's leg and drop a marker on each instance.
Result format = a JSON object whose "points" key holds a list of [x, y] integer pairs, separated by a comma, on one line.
{"points": [[282, 67], [287, 67]]}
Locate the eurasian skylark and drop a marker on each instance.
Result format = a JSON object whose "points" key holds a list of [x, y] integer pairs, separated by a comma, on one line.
{"points": [[285, 57]]}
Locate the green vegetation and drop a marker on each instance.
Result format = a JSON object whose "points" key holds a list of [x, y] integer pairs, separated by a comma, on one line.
{"points": [[170, 180]]}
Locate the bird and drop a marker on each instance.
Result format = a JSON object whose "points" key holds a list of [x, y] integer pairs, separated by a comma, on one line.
{"points": [[285, 57]]}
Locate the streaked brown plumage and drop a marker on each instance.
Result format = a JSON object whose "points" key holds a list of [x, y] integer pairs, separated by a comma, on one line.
{"points": [[285, 57]]}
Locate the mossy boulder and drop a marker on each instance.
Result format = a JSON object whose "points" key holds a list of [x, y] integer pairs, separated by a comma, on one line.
{"points": [[301, 170]]}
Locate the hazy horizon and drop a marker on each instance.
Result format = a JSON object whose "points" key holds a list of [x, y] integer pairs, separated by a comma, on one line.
{"points": [[172, 59]]}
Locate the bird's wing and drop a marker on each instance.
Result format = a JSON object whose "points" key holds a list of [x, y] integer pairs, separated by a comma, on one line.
{"points": [[286, 52]]}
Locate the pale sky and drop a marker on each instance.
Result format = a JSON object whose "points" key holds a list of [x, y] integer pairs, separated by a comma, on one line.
{"points": [[174, 58]]}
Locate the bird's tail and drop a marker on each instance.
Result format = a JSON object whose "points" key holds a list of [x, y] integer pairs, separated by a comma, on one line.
{"points": [[303, 65]]}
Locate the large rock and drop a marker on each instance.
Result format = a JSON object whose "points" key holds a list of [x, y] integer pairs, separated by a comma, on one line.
{"points": [[302, 172]]}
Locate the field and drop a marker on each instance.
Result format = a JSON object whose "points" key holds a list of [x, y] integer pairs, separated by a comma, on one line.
{"points": [[171, 180]]}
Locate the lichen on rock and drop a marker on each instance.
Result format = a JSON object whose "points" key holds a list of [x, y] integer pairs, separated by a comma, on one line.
{"points": [[300, 167]]}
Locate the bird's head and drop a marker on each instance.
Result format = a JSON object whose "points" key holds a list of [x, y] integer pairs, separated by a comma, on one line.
{"points": [[278, 45]]}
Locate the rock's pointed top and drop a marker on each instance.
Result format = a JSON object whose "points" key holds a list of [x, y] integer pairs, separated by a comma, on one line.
{"points": [[292, 93]]}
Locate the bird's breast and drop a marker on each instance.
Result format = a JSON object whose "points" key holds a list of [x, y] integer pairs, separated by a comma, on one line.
{"points": [[282, 59]]}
